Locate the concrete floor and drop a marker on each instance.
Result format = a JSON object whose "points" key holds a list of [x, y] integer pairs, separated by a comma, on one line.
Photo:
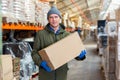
{"points": [[90, 68]]}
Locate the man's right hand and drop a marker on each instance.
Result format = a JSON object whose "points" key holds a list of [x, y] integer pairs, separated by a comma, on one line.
{"points": [[82, 55]]}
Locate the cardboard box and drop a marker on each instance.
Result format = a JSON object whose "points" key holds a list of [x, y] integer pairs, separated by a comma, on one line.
{"points": [[16, 75], [16, 64], [0, 69], [62, 51], [6, 67], [117, 68], [16, 68]]}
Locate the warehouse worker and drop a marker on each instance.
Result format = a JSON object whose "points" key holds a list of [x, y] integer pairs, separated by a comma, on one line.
{"points": [[53, 32]]}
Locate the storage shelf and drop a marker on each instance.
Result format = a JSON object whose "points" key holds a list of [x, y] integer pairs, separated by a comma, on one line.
{"points": [[19, 27]]}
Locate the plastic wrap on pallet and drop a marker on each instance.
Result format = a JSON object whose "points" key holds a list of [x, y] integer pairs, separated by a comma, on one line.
{"points": [[41, 12], [6, 8], [111, 28], [18, 9], [21, 50], [30, 10]]}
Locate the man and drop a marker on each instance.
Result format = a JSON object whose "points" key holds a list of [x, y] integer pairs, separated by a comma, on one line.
{"points": [[53, 32]]}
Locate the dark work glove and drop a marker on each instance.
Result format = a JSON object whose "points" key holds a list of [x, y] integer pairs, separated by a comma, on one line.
{"points": [[82, 55], [45, 66]]}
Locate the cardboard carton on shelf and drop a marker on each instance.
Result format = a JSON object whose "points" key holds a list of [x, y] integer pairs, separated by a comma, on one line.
{"points": [[62, 51], [16, 68], [6, 67]]}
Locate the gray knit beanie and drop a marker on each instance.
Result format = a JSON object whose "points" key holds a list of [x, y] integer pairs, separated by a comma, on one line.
{"points": [[53, 10]]}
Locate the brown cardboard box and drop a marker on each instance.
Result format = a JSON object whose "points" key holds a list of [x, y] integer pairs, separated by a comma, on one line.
{"points": [[16, 64], [16, 68], [0, 69], [6, 67], [118, 62], [62, 51], [16, 75]]}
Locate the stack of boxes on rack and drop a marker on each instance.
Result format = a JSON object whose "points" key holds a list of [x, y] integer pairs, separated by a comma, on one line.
{"points": [[41, 10], [110, 58], [18, 9], [6, 72], [118, 46], [32, 11], [16, 68], [29, 10], [20, 15]]}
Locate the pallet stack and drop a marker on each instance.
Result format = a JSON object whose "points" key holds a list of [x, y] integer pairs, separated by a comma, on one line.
{"points": [[118, 46], [110, 53], [111, 60]]}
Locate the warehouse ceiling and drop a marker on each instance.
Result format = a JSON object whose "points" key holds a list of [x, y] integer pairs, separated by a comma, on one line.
{"points": [[88, 9]]}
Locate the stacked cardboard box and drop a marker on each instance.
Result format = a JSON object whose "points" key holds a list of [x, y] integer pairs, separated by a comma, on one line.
{"points": [[6, 67], [0, 69], [109, 53], [118, 45], [109, 58], [118, 62], [16, 68], [118, 54], [105, 51]]}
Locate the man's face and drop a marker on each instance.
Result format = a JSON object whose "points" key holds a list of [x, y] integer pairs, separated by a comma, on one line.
{"points": [[54, 20]]}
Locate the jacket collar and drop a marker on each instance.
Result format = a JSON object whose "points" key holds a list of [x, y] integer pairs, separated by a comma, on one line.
{"points": [[57, 32], [50, 29]]}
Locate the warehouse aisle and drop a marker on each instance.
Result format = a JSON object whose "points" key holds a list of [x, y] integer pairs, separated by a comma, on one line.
{"points": [[89, 69]]}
